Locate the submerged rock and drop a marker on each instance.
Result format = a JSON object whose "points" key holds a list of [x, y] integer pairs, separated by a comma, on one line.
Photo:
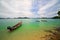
{"points": [[57, 28], [54, 34]]}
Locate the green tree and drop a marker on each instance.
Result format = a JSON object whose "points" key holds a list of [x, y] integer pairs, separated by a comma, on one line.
{"points": [[58, 17], [58, 13]]}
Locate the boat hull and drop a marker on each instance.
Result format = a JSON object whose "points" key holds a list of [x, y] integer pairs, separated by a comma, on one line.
{"points": [[15, 26]]}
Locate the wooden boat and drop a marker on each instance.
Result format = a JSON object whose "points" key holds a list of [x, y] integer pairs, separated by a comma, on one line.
{"points": [[14, 27]]}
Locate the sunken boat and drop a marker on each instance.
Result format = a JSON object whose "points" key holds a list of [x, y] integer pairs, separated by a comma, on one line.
{"points": [[14, 27]]}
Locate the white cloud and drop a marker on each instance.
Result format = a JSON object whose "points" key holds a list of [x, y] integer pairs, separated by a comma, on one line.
{"points": [[18, 8], [6, 5], [49, 4], [43, 9]]}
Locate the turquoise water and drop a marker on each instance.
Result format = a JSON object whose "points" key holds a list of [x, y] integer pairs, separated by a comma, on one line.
{"points": [[27, 28]]}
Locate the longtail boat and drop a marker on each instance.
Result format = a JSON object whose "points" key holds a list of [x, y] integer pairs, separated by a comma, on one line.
{"points": [[14, 27]]}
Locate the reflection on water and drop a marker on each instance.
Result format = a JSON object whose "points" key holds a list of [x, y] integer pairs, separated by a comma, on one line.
{"points": [[31, 29]]}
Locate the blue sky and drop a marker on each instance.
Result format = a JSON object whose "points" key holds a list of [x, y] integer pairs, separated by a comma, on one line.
{"points": [[29, 8]]}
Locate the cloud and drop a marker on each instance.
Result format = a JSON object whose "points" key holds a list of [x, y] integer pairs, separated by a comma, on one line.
{"points": [[43, 9], [39, 7], [49, 4], [7, 6], [16, 8], [29, 8]]}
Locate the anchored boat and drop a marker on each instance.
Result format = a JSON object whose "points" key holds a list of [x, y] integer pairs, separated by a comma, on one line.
{"points": [[44, 20], [14, 27]]}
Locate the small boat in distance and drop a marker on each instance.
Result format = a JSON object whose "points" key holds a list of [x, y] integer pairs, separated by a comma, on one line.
{"points": [[37, 21], [44, 20], [14, 27]]}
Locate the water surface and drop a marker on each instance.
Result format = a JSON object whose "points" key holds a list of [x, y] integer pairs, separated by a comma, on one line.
{"points": [[30, 29]]}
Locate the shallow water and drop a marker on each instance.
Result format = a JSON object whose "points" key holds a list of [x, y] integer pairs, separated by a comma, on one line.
{"points": [[30, 29]]}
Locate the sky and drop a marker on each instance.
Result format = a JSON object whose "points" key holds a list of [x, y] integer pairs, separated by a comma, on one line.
{"points": [[29, 8]]}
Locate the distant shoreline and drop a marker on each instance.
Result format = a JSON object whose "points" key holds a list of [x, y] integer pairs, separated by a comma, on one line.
{"points": [[29, 18]]}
